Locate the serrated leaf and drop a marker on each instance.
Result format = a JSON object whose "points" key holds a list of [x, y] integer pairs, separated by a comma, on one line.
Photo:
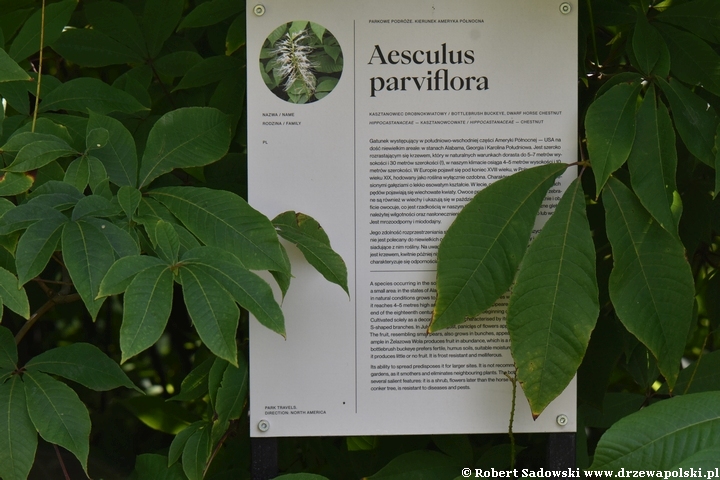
{"points": [[310, 238], [38, 154], [195, 385], [11, 71], [419, 465], [554, 304], [213, 311], [694, 119], [147, 305], [682, 427], [167, 241], [85, 93], [476, 266], [178, 443], [36, 246], [15, 183], [88, 256], [187, 137], [610, 128], [13, 295], [196, 453], [119, 155], [27, 41], [159, 19], [248, 289], [82, 363], [693, 61], [121, 241], [155, 467], [233, 392], [123, 271], [653, 161], [8, 350], [18, 438], [210, 13], [651, 285], [58, 414], [223, 219], [92, 48]]}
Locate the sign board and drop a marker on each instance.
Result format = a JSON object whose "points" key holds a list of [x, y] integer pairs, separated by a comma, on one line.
{"points": [[381, 119]]}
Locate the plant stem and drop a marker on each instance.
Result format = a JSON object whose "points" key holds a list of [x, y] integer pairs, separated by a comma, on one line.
{"points": [[56, 300], [592, 33], [62, 464], [513, 380], [216, 450], [40, 62]]}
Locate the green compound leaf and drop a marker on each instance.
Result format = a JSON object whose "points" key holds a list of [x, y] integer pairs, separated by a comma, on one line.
{"points": [[310, 238], [15, 183], [653, 162], [187, 137], [477, 265], [693, 61], [118, 22], [159, 19], [8, 350], [82, 363], [651, 285], [213, 311], [58, 414], [233, 392], [123, 271], [129, 199], [610, 128], [27, 41], [650, 49], [88, 256], [701, 17], [147, 305], [223, 219], [11, 71], [37, 245], [121, 241], [13, 295], [18, 438], [196, 452], [91, 48], [38, 154], [118, 155], [694, 119], [84, 94], [554, 304], [683, 427], [248, 289]]}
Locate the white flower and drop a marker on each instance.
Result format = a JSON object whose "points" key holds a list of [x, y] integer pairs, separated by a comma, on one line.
{"points": [[293, 62]]}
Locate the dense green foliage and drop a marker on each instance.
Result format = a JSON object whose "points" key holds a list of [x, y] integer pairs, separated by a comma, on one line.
{"points": [[125, 239]]}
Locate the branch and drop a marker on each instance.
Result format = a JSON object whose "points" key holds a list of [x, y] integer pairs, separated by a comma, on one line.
{"points": [[56, 300], [40, 62]]}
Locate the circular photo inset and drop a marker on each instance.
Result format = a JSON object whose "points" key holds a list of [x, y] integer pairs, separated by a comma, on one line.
{"points": [[301, 62]]}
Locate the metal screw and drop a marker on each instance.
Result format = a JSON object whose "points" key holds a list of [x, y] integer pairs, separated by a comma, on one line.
{"points": [[263, 425], [259, 10], [565, 8], [562, 420]]}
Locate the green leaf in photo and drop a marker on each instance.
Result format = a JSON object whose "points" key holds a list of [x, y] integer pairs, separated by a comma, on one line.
{"points": [[13, 295], [224, 220], [177, 64], [93, 205], [129, 199], [117, 21], [178, 443], [150, 466], [8, 350], [78, 173], [235, 35], [215, 377], [158, 22], [58, 414], [167, 241], [419, 465], [123, 271], [701, 17], [653, 162], [11, 71], [147, 305], [92, 48], [118, 155], [15, 183], [213, 311], [156, 413], [209, 70], [651, 285], [38, 154], [27, 41], [197, 452], [310, 238], [89, 94], [554, 304], [195, 384], [233, 391], [210, 13], [610, 128], [37, 245], [18, 438], [476, 267], [693, 60], [683, 427], [187, 137], [82, 363], [650, 49]]}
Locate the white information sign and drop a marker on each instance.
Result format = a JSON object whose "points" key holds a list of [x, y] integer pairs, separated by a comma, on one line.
{"points": [[381, 119]]}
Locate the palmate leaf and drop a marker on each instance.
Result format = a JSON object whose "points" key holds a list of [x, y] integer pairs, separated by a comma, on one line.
{"points": [[610, 128], [121, 241], [651, 285], [653, 162], [310, 238], [27, 40], [693, 61], [477, 265], [554, 303], [701, 17], [213, 311], [223, 219], [118, 22], [18, 438], [123, 271], [82, 363], [187, 137], [83, 94], [38, 154], [649, 47], [88, 256], [682, 427], [58, 414], [147, 305], [159, 19], [91, 48]]}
